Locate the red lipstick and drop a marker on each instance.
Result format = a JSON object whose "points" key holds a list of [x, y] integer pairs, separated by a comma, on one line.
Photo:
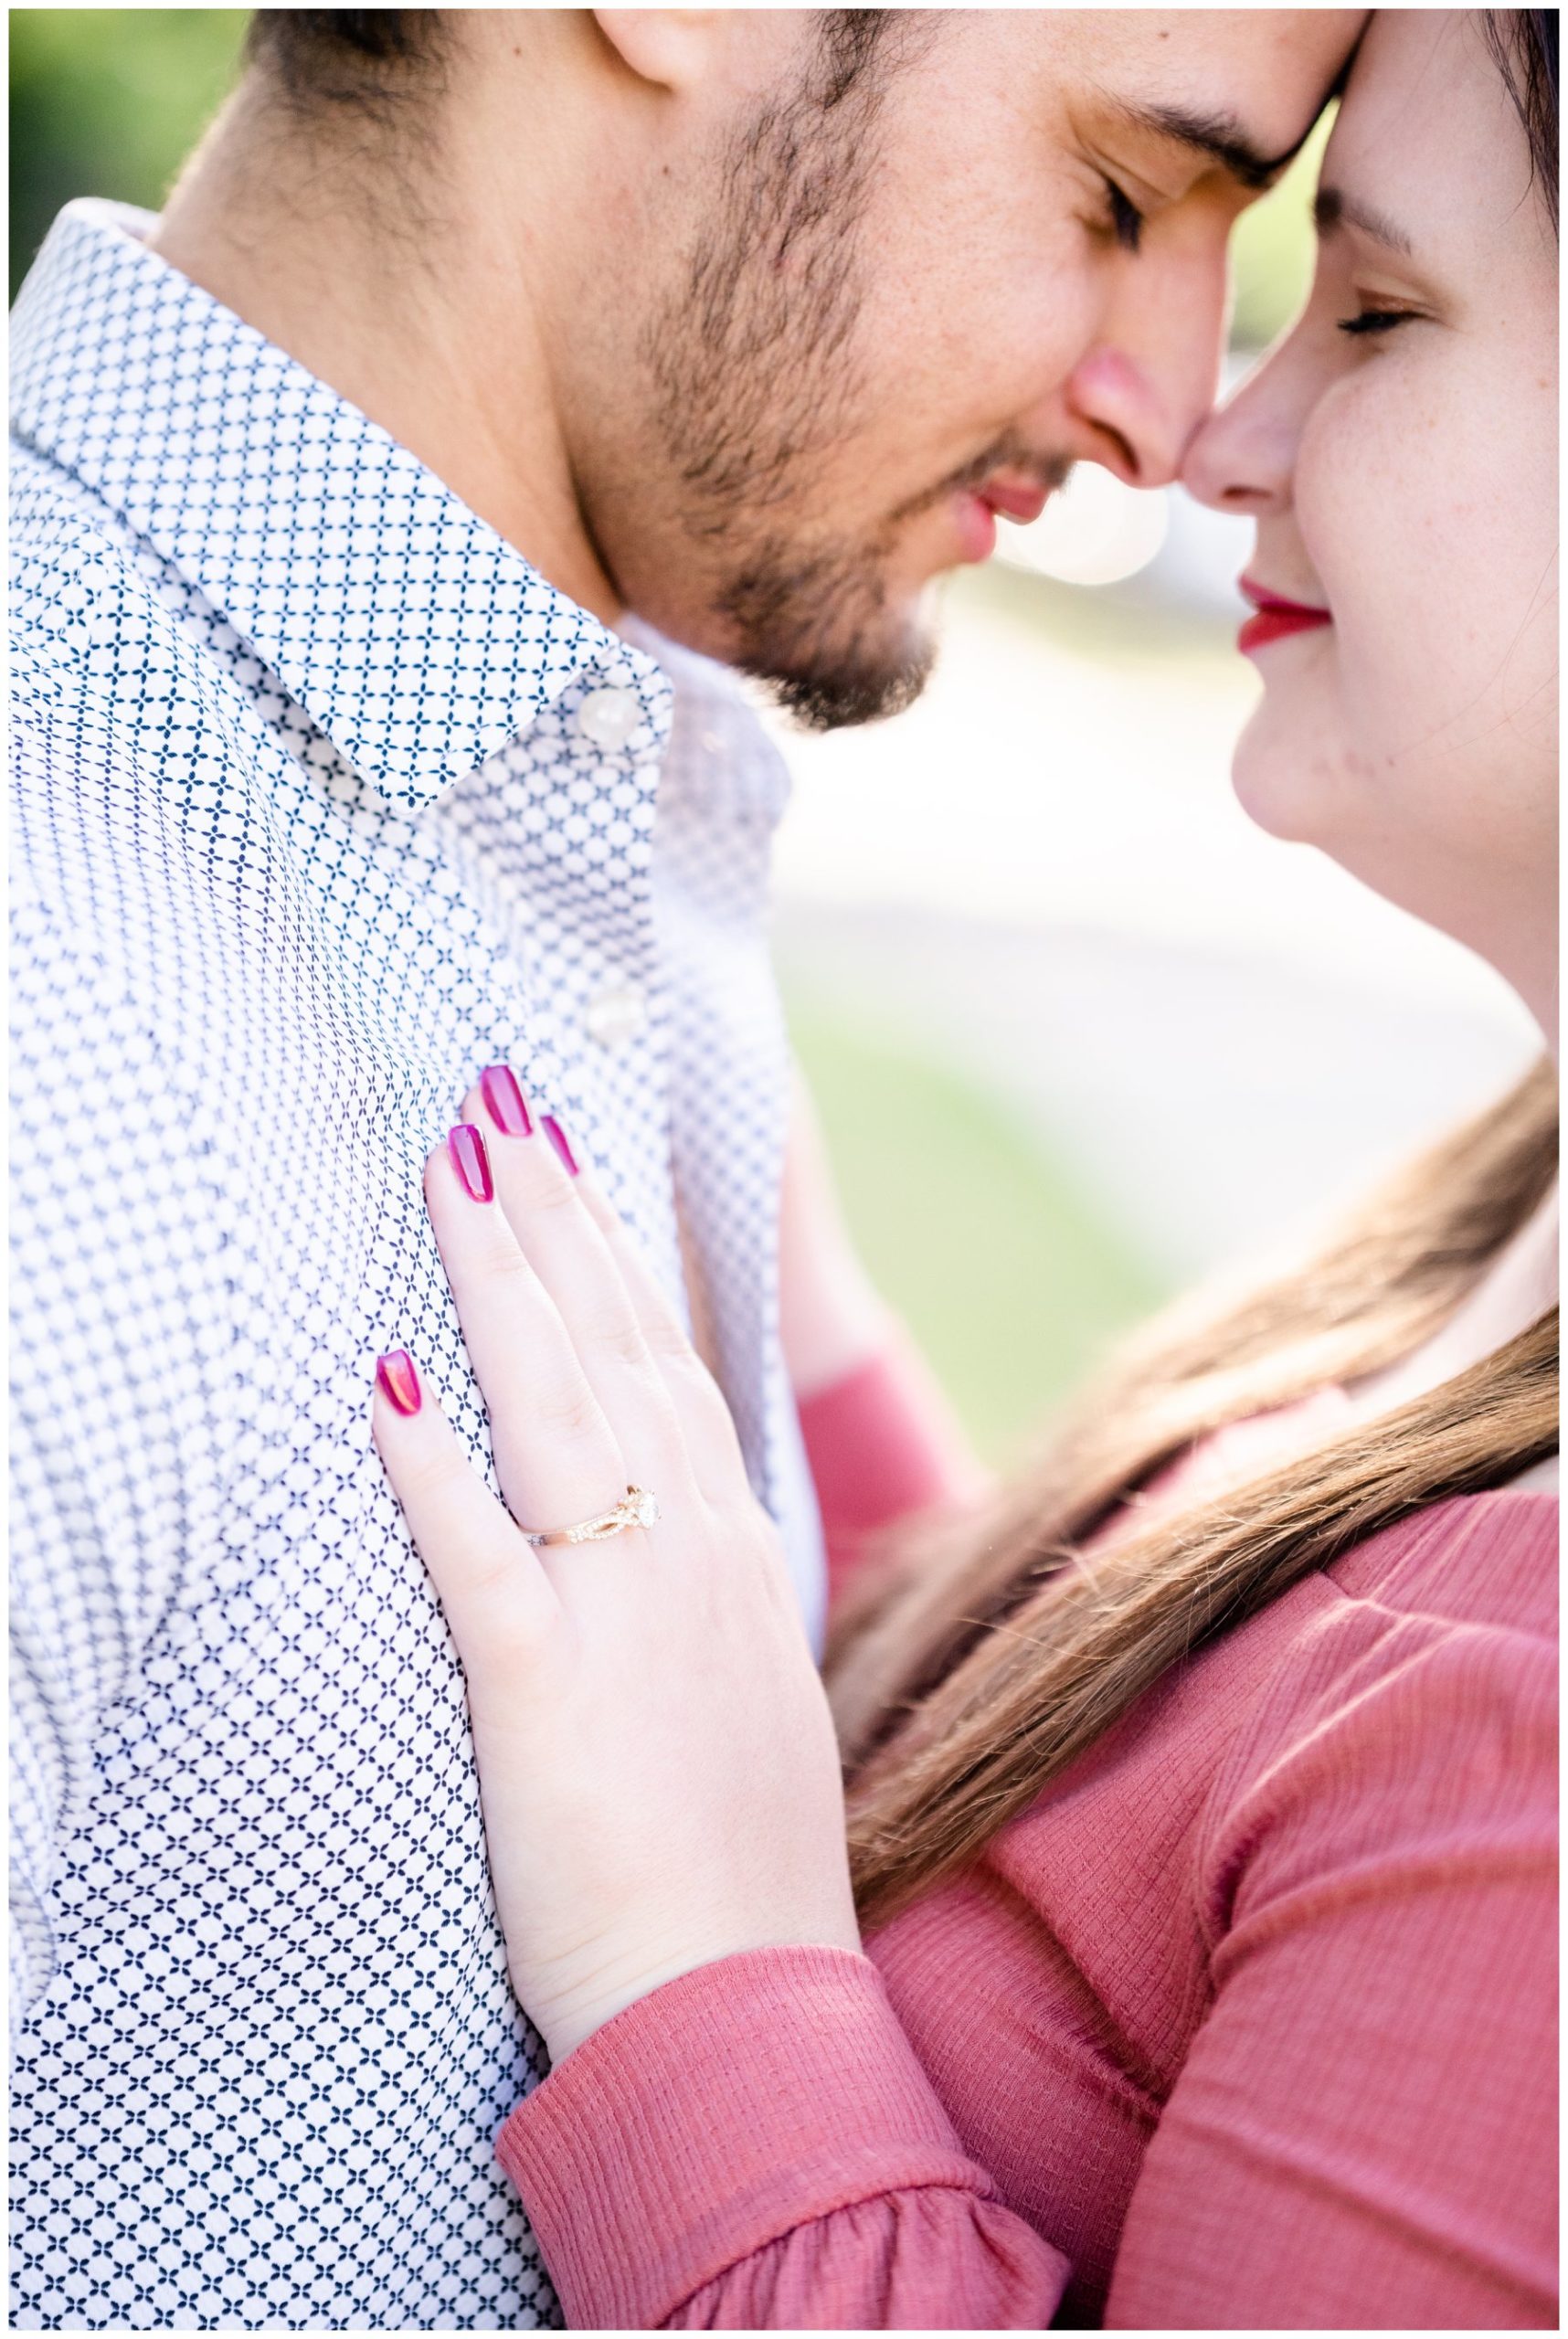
{"points": [[1276, 616]]}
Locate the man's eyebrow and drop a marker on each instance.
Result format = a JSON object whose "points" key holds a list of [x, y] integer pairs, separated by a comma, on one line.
{"points": [[1218, 135], [1332, 208]]}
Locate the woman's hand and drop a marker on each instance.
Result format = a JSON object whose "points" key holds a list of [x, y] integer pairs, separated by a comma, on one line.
{"points": [[658, 1769]]}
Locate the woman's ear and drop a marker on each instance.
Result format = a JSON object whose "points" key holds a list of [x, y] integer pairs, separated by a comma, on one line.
{"points": [[670, 47]]}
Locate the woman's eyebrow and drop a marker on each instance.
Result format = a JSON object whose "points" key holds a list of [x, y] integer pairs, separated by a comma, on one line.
{"points": [[1332, 208]]}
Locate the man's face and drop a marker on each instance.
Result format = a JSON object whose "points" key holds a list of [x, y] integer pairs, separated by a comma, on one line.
{"points": [[879, 306]]}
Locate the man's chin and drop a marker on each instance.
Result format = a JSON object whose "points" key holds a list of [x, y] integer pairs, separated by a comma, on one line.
{"points": [[832, 698], [863, 676], [823, 635]]}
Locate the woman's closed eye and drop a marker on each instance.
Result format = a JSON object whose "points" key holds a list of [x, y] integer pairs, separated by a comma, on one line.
{"points": [[1378, 320]]}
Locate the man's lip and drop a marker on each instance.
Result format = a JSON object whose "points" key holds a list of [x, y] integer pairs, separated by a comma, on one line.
{"points": [[998, 496], [976, 526], [1262, 598], [1023, 502]]}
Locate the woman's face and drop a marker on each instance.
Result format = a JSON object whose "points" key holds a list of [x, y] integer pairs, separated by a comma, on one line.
{"points": [[1398, 450]]}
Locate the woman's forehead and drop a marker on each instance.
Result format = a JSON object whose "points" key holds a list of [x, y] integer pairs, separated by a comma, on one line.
{"points": [[1422, 144]]}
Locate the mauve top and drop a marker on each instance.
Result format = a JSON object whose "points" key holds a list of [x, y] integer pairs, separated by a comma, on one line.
{"points": [[1249, 2021]]}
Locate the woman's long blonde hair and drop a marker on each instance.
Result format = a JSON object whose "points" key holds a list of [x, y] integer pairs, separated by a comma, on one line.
{"points": [[991, 1659]]}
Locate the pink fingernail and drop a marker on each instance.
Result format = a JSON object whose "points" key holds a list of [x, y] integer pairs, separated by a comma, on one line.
{"points": [[557, 1138], [504, 1101], [471, 1161], [398, 1381]]}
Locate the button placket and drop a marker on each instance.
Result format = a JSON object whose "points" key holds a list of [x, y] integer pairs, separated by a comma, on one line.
{"points": [[592, 774]]}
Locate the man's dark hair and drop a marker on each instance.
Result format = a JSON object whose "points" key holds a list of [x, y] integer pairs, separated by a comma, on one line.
{"points": [[357, 61]]}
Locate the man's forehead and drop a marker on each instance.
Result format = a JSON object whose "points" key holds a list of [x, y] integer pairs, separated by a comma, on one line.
{"points": [[1248, 43], [1249, 82]]}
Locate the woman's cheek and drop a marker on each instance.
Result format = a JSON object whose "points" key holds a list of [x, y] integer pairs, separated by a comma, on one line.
{"points": [[1436, 557], [1320, 762], [1383, 514], [1304, 763], [1504, 551]]}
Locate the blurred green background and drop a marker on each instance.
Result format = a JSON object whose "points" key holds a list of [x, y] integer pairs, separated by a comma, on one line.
{"points": [[109, 101], [1011, 1274]]}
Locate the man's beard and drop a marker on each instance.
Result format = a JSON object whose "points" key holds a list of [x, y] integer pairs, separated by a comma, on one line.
{"points": [[814, 627], [757, 385], [813, 623]]}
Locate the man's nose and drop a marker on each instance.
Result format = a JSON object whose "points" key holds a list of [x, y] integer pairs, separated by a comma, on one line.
{"points": [[1142, 392]]}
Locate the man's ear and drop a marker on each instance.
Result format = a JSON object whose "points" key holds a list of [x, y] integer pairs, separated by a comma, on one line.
{"points": [[670, 47]]}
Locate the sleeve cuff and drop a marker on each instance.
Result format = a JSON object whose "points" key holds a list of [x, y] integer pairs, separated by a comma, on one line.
{"points": [[735, 2103]]}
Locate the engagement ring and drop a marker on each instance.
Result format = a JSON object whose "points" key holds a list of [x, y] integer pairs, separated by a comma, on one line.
{"points": [[637, 1507]]}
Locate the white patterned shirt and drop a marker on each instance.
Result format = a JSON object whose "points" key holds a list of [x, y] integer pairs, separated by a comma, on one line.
{"points": [[324, 801]]}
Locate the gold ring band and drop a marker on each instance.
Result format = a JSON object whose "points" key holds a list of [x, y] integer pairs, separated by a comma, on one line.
{"points": [[637, 1507]]}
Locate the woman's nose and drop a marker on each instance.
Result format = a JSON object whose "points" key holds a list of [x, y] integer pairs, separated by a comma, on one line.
{"points": [[1239, 458]]}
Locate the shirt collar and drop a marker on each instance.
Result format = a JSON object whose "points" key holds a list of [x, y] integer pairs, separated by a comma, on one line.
{"points": [[416, 638], [720, 756]]}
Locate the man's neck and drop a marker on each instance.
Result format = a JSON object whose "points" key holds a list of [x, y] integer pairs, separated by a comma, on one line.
{"points": [[438, 341]]}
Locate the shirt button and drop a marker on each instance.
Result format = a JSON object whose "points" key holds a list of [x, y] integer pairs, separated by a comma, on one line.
{"points": [[608, 717], [615, 1015]]}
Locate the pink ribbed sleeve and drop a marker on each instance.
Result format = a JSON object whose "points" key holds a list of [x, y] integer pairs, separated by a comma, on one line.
{"points": [[1364, 2132], [754, 2147]]}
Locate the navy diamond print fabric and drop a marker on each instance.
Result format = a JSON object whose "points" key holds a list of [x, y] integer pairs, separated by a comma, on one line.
{"points": [[323, 800]]}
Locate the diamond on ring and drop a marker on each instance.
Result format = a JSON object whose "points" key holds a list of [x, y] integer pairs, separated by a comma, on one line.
{"points": [[637, 1507]]}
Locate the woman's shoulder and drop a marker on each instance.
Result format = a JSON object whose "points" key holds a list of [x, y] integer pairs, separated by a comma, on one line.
{"points": [[1435, 1630], [1485, 1562], [1409, 1715]]}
